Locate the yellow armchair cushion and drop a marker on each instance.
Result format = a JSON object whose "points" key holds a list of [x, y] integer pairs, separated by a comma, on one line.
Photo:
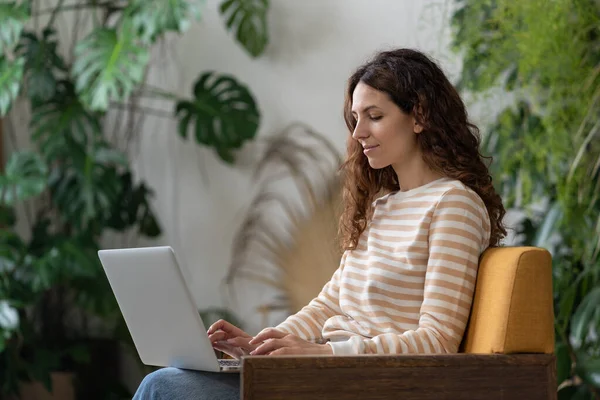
{"points": [[513, 304]]}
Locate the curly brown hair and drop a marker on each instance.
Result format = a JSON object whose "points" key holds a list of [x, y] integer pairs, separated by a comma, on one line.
{"points": [[449, 142]]}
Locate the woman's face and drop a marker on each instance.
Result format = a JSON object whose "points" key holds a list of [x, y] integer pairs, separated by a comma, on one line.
{"points": [[386, 133]]}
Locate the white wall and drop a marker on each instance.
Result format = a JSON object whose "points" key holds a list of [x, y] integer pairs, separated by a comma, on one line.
{"points": [[315, 45]]}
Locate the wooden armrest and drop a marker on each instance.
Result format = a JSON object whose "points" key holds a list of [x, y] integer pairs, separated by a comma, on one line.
{"points": [[453, 376]]}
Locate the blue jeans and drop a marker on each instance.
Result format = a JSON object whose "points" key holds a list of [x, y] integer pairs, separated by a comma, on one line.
{"points": [[180, 384]]}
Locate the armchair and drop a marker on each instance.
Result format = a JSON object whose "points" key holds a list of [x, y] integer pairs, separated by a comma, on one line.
{"points": [[507, 351]]}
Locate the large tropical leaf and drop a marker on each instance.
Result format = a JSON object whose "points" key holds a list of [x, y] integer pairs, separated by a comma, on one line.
{"points": [[132, 207], [248, 19], [224, 113], [12, 18], [25, 177], [11, 74], [9, 319], [109, 63], [61, 119], [588, 368], [66, 258], [152, 18], [42, 62], [9, 322], [85, 186], [549, 226]]}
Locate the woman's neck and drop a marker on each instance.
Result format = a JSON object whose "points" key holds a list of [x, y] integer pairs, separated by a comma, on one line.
{"points": [[415, 173]]}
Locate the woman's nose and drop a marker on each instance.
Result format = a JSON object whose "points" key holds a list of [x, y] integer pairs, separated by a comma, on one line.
{"points": [[359, 132]]}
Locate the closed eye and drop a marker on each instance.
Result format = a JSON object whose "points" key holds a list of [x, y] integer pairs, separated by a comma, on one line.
{"points": [[376, 118]]}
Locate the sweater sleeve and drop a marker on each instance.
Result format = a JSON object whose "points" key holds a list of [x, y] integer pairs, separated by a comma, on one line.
{"points": [[458, 233], [308, 322]]}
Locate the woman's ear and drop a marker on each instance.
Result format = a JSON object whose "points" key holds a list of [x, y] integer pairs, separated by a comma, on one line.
{"points": [[417, 116], [417, 128]]}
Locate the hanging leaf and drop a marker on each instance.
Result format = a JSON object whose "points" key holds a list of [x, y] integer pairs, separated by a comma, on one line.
{"points": [[108, 66], [583, 317], [588, 368], [25, 177], [9, 318], [60, 119], [152, 18], [548, 227], [248, 19], [224, 113], [563, 363], [42, 62], [12, 19], [10, 82]]}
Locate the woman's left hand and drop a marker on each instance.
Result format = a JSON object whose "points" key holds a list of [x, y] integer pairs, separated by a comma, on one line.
{"points": [[275, 342]]}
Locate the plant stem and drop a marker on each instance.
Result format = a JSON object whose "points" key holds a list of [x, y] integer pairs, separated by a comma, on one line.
{"points": [[160, 93], [55, 12], [138, 108]]}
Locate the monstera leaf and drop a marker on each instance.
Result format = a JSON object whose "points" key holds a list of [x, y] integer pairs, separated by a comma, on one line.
{"points": [[10, 82], [61, 119], [248, 19], [12, 18], [25, 177], [86, 185], [223, 111], [133, 207], [109, 63], [42, 60], [151, 18]]}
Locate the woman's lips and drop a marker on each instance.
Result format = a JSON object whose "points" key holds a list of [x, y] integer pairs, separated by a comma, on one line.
{"points": [[368, 149]]}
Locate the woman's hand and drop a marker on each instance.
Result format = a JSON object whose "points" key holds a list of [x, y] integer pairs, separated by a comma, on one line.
{"points": [[275, 342], [230, 339]]}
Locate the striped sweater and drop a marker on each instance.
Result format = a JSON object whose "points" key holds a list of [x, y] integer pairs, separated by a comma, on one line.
{"points": [[408, 286]]}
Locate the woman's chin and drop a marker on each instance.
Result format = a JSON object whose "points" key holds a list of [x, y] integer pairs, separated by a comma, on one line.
{"points": [[375, 164]]}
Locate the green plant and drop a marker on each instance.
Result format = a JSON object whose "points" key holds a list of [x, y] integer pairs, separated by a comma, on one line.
{"points": [[546, 55], [77, 184]]}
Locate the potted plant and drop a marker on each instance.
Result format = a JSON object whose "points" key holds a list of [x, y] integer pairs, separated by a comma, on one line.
{"points": [[545, 57], [77, 185]]}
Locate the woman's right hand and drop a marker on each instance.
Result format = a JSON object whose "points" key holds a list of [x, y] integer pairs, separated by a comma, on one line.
{"points": [[230, 339]]}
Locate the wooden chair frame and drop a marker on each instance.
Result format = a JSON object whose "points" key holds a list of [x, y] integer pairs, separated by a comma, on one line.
{"points": [[418, 377]]}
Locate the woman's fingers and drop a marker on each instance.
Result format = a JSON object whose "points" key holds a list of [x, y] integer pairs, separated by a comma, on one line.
{"points": [[217, 336], [269, 333], [283, 351], [268, 346], [242, 343], [233, 351], [228, 327]]}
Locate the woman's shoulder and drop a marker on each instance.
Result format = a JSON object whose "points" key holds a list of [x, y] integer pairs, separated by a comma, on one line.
{"points": [[455, 187], [436, 193], [434, 190]]}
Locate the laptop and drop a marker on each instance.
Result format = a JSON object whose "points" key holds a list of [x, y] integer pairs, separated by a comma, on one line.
{"points": [[159, 310]]}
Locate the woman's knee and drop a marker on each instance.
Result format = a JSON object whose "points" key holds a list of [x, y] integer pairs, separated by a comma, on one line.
{"points": [[174, 383], [159, 384]]}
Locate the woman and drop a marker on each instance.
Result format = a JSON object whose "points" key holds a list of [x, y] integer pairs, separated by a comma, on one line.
{"points": [[420, 209]]}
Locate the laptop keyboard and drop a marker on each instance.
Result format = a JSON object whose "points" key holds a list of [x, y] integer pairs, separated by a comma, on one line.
{"points": [[229, 363]]}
